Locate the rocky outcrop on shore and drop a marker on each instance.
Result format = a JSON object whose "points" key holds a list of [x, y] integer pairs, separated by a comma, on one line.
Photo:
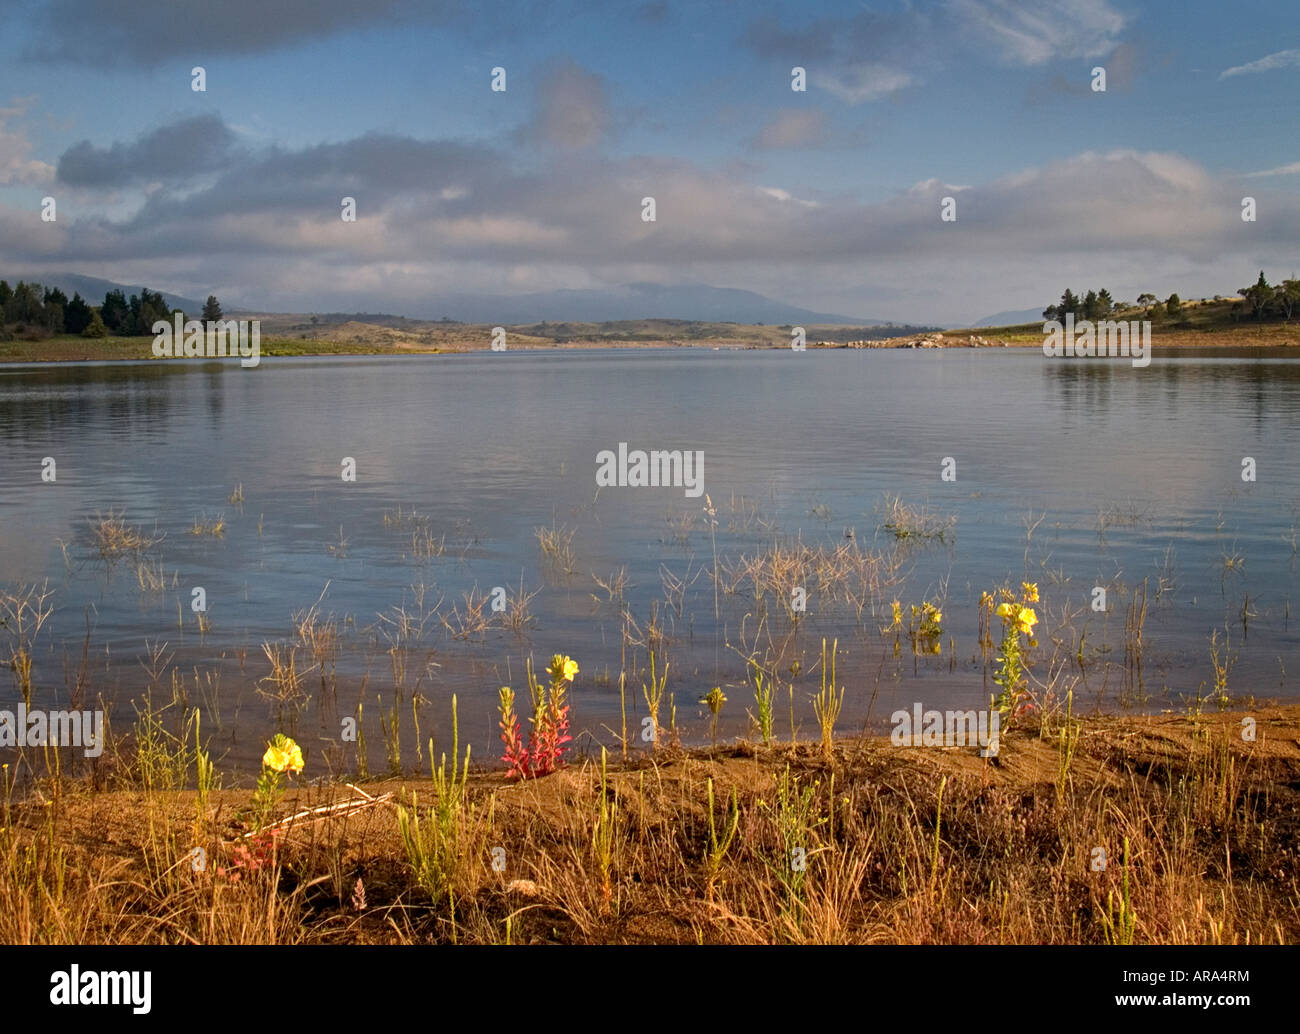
{"points": [[924, 341]]}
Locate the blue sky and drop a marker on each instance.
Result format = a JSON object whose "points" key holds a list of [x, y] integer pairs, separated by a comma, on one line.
{"points": [[828, 198]]}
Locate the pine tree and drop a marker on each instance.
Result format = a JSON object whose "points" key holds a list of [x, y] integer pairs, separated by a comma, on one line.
{"points": [[211, 309], [1069, 304], [95, 328], [77, 315], [114, 311]]}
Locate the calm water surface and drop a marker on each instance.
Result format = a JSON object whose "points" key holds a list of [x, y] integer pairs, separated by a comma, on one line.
{"points": [[1074, 474]]}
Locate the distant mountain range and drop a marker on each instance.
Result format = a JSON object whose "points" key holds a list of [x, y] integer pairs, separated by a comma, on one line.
{"points": [[697, 302], [630, 302], [93, 289], [1010, 318]]}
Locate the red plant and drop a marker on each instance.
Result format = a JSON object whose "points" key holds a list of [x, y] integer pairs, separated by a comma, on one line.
{"points": [[517, 757], [550, 724], [257, 853]]}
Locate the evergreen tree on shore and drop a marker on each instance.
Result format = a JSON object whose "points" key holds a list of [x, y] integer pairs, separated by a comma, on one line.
{"points": [[77, 315], [95, 328]]}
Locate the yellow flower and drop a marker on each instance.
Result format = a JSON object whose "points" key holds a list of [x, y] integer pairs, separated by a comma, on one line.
{"points": [[937, 616], [1030, 592], [563, 668], [715, 699], [1027, 619], [1005, 610], [283, 755]]}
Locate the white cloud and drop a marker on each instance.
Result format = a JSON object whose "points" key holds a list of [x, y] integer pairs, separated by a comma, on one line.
{"points": [[1033, 34], [1281, 170], [16, 168], [856, 83], [1282, 59], [785, 195]]}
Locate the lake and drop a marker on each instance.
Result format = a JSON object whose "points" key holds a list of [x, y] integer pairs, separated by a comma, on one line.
{"points": [[1071, 473]]}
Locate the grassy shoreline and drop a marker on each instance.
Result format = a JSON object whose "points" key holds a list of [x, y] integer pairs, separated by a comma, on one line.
{"points": [[901, 844], [1207, 326]]}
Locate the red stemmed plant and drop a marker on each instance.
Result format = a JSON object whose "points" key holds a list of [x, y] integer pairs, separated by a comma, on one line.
{"points": [[550, 722]]}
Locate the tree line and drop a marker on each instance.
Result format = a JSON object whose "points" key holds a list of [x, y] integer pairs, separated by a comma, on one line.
{"points": [[1260, 300], [34, 312]]}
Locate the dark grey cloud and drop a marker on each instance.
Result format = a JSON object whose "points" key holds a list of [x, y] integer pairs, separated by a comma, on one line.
{"points": [[149, 32], [865, 35], [857, 57], [179, 150], [654, 12]]}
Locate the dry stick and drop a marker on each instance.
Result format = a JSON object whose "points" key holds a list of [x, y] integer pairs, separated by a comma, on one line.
{"points": [[348, 808]]}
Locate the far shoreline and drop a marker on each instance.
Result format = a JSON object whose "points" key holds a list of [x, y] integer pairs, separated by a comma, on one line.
{"points": [[68, 349]]}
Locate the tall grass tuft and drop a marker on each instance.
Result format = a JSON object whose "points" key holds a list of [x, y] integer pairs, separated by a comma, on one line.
{"points": [[827, 703], [764, 700], [23, 612], [432, 844]]}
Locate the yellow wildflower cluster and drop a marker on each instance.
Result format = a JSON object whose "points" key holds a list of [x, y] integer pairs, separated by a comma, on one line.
{"points": [[562, 668], [283, 755], [1024, 617]]}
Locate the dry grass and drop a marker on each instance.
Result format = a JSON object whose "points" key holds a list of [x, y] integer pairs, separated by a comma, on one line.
{"points": [[152, 576], [557, 547], [780, 845], [114, 536], [842, 574], [212, 526], [906, 522], [474, 621], [23, 613]]}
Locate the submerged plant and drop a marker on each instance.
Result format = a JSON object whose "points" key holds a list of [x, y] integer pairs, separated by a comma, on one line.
{"points": [[924, 627]]}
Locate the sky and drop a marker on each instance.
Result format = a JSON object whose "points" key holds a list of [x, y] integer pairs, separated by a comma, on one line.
{"points": [[828, 198]]}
